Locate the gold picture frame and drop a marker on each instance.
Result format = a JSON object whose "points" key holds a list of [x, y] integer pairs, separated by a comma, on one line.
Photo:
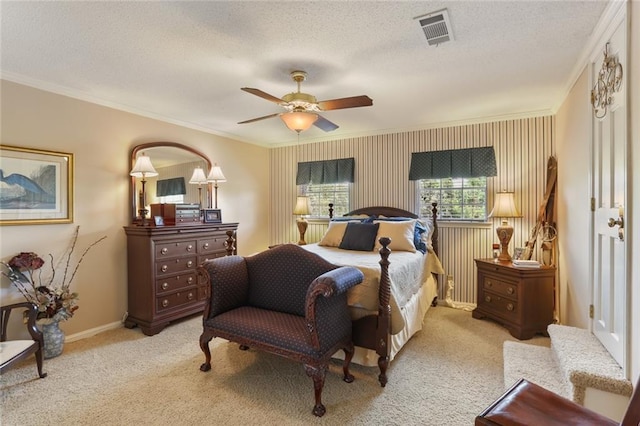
{"points": [[37, 186]]}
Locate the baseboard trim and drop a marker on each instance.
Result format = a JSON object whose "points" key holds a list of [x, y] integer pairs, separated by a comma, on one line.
{"points": [[92, 332]]}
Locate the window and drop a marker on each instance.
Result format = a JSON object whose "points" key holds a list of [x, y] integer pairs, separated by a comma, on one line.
{"points": [[320, 195], [463, 199], [172, 199], [325, 182], [456, 179]]}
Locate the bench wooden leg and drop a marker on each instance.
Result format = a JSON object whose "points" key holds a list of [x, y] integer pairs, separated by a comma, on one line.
{"points": [[205, 338], [317, 373]]}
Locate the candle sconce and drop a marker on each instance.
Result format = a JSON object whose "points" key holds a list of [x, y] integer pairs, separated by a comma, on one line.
{"points": [[608, 82]]}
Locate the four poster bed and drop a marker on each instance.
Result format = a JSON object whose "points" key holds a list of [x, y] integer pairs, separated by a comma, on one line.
{"points": [[400, 276]]}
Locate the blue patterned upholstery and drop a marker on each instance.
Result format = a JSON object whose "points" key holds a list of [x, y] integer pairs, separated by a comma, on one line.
{"points": [[286, 301]]}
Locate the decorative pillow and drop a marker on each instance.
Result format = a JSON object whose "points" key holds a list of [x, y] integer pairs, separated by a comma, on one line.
{"points": [[333, 235], [401, 233], [359, 236], [418, 231], [426, 236]]}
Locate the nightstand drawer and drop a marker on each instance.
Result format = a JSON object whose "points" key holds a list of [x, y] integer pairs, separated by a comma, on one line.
{"points": [[501, 287], [501, 306]]}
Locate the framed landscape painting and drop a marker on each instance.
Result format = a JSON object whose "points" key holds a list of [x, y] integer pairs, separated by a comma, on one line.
{"points": [[36, 186]]}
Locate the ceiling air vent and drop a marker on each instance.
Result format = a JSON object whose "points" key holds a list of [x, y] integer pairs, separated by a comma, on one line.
{"points": [[436, 27]]}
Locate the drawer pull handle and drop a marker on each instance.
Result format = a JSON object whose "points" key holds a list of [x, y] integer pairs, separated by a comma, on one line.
{"points": [[165, 286], [510, 290], [165, 303], [487, 298], [189, 247], [190, 280], [489, 283], [164, 250], [206, 245], [190, 263], [190, 296], [164, 268], [510, 307]]}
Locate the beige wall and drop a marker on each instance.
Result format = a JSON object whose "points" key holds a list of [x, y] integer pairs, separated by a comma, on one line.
{"points": [[381, 178], [101, 139], [574, 144]]}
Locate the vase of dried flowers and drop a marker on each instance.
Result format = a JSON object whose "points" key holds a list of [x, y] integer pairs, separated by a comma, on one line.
{"points": [[53, 297], [53, 337]]}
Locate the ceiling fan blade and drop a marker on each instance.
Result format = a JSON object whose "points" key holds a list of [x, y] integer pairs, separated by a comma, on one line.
{"points": [[259, 118], [263, 95], [352, 102], [324, 124]]}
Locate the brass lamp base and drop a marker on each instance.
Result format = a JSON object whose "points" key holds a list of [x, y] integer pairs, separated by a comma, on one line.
{"points": [[505, 232], [302, 228]]}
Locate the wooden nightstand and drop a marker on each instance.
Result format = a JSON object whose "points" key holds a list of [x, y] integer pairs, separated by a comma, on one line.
{"points": [[521, 299]]}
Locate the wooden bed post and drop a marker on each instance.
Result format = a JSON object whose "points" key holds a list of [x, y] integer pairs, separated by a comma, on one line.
{"points": [[434, 219], [383, 332]]}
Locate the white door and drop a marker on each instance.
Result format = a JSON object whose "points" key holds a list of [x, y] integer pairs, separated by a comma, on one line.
{"points": [[610, 323]]}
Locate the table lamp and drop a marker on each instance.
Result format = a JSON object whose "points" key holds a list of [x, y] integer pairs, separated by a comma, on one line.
{"points": [[143, 169], [301, 209], [504, 207]]}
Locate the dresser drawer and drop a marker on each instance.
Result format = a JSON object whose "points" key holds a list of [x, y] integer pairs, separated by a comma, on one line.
{"points": [[211, 245], [501, 306], [173, 266], [176, 282], [500, 287], [188, 220], [202, 259], [175, 248], [176, 300]]}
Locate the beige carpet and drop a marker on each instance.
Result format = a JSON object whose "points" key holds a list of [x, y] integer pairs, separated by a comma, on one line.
{"points": [[445, 375]]}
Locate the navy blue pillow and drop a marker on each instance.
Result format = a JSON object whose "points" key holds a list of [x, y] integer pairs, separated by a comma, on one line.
{"points": [[359, 236]]}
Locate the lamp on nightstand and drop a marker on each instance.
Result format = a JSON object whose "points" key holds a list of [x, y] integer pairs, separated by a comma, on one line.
{"points": [[504, 207], [301, 209]]}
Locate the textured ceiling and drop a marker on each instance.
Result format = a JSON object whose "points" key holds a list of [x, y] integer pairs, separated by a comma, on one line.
{"points": [[185, 62]]}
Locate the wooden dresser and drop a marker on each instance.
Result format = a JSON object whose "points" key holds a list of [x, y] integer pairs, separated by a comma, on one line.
{"points": [[163, 284], [521, 299]]}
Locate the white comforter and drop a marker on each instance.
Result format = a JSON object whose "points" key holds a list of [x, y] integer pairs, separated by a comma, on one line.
{"points": [[407, 272]]}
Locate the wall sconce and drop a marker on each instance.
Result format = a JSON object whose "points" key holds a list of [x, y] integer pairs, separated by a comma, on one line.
{"points": [[302, 208], [143, 169], [298, 121], [608, 82], [504, 207], [216, 177], [199, 178]]}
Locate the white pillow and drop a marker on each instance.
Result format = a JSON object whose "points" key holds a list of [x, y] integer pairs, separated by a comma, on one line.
{"points": [[401, 234], [333, 235]]}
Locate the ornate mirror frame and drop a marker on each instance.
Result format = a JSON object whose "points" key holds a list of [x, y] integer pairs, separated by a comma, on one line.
{"points": [[133, 199]]}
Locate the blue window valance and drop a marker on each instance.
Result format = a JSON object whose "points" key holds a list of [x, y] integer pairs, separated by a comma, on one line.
{"points": [[454, 163], [328, 171], [174, 186]]}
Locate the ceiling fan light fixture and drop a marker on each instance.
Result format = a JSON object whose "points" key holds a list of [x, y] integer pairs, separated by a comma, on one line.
{"points": [[298, 121]]}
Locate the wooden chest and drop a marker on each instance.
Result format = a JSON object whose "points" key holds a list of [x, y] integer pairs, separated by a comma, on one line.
{"points": [[163, 284]]}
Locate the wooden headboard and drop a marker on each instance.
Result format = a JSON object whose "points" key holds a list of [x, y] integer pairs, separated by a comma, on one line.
{"points": [[396, 212]]}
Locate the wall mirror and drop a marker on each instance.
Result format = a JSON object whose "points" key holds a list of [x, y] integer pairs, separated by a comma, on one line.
{"points": [[175, 164]]}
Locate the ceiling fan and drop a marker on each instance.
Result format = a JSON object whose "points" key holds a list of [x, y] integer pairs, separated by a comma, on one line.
{"points": [[302, 108]]}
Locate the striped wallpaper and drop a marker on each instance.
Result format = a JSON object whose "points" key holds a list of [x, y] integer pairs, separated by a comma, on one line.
{"points": [[522, 149]]}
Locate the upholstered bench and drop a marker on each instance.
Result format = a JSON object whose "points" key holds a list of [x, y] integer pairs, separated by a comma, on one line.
{"points": [[285, 301]]}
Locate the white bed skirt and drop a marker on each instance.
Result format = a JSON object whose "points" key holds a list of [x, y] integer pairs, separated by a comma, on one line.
{"points": [[413, 313]]}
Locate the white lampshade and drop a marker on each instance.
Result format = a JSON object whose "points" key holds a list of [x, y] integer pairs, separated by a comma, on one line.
{"points": [[504, 206], [143, 167], [198, 177], [302, 206], [298, 121], [216, 175]]}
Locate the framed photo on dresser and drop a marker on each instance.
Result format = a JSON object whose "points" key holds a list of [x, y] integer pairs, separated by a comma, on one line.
{"points": [[212, 216]]}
